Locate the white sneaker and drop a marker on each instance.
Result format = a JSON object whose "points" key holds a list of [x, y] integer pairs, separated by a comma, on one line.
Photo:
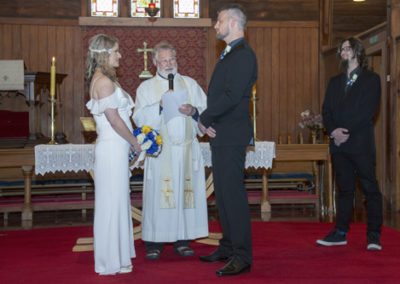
{"points": [[374, 247]]}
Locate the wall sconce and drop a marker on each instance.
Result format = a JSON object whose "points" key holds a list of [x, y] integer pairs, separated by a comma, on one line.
{"points": [[152, 11]]}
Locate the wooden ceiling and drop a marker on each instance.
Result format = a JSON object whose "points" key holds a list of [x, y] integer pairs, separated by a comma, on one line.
{"points": [[349, 17]]}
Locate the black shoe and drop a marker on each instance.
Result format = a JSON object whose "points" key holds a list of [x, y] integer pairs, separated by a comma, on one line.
{"points": [[334, 238], [215, 256], [184, 251], [234, 267], [374, 241], [153, 254]]}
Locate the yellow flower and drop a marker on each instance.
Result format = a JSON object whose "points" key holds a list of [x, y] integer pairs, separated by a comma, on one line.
{"points": [[146, 129], [158, 140]]}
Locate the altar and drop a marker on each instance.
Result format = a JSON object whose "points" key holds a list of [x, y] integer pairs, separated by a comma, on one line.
{"points": [[80, 157], [75, 157]]}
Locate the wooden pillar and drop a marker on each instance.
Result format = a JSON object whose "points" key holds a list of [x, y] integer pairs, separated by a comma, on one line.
{"points": [[124, 8], [27, 212], [325, 23], [394, 38], [85, 8], [167, 9], [204, 8]]}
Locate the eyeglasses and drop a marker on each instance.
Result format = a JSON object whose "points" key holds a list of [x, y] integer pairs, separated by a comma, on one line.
{"points": [[346, 48]]}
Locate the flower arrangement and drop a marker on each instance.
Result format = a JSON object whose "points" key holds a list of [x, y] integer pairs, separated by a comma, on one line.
{"points": [[310, 120], [150, 141]]}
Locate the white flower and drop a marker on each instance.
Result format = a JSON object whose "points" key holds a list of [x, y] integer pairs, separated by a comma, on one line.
{"points": [[305, 113], [140, 138], [145, 146]]}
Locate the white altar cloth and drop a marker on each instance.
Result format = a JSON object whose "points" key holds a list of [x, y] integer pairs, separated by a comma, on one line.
{"points": [[80, 157]]}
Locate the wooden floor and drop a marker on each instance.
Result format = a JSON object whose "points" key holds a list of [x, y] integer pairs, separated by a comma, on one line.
{"points": [[293, 213]]}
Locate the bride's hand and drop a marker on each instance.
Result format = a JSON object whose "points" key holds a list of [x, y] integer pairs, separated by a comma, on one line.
{"points": [[136, 148]]}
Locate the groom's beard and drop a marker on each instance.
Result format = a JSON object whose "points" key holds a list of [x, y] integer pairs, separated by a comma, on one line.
{"points": [[344, 64]]}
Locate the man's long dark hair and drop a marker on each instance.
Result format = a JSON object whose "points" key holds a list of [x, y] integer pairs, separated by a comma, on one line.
{"points": [[359, 53]]}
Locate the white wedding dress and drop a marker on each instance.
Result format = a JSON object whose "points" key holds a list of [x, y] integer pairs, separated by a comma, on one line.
{"points": [[113, 231]]}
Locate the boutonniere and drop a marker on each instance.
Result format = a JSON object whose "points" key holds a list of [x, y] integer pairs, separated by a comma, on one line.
{"points": [[353, 79], [225, 52]]}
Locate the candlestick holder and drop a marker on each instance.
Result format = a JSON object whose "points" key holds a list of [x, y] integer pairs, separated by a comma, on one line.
{"points": [[254, 103], [52, 120]]}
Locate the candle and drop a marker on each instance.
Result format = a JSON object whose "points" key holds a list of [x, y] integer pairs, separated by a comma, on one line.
{"points": [[254, 91], [53, 77]]}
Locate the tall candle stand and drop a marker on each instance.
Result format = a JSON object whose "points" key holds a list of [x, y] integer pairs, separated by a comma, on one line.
{"points": [[52, 120], [52, 100], [253, 100]]}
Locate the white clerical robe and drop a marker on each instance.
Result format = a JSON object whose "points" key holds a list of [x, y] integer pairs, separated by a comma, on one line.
{"points": [[174, 193]]}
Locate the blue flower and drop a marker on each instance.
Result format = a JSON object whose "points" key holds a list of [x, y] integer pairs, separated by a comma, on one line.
{"points": [[149, 140]]}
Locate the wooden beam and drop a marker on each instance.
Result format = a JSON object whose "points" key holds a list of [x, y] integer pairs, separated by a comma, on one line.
{"points": [[326, 20], [38, 21], [143, 22]]}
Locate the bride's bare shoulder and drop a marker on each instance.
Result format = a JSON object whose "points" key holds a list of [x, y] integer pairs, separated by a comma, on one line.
{"points": [[102, 87]]}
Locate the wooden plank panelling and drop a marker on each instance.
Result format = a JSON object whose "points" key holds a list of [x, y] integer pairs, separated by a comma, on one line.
{"points": [[287, 84], [288, 80], [36, 44]]}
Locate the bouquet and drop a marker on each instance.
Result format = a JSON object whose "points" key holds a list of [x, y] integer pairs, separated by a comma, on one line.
{"points": [[311, 121], [150, 141]]}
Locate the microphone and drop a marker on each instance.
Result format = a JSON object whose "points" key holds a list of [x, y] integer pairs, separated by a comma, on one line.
{"points": [[171, 81]]}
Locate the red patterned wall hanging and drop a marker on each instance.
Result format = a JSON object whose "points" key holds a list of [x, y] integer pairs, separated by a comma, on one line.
{"points": [[190, 43]]}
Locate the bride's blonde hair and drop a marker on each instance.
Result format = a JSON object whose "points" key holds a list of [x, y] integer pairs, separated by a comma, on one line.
{"points": [[100, 47]]}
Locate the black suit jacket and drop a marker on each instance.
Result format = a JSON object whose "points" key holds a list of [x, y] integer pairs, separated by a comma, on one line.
{"points": [[354, 110], [228, 97]]}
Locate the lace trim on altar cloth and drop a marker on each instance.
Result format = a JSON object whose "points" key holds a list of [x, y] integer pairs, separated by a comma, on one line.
{"points": [[261, 156], [64, 158], [80, 157]]}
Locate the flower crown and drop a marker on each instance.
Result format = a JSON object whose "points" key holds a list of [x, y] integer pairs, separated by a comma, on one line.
{"points": [[100, 50]]}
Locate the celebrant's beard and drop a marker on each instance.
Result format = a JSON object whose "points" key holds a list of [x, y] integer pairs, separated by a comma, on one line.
{"points": [[164, 73]]}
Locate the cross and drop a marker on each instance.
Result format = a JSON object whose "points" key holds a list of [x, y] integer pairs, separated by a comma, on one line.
{"points": [[145, 73]]}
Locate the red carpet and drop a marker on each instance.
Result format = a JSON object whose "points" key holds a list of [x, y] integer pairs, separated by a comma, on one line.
{"points": [[283, 253]]}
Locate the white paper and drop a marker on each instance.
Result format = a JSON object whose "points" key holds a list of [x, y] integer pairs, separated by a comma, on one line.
{"points": [[171, 102]]}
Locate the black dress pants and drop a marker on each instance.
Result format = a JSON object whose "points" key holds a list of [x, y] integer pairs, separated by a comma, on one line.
{"points": [[228, 165], [347, 168]]}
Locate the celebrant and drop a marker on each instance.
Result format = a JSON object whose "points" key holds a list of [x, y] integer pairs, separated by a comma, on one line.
{"points": [[174, 195]]}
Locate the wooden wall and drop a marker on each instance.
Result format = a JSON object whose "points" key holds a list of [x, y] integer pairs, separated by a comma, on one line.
{"points": [[288, 75], [288, 60], [287, 54], [36, 42]]}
